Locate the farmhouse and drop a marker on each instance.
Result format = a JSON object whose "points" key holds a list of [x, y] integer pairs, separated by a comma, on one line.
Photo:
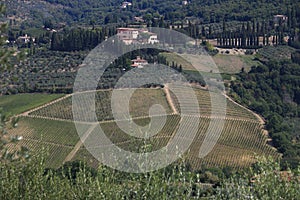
{"points": [[146, 37], [125, 4], [134, 35], [139, 62], [128, 35], [279, 19], [25, 39]]}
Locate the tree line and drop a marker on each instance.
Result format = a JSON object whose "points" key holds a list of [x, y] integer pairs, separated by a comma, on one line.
{"points": [[78, 39]]}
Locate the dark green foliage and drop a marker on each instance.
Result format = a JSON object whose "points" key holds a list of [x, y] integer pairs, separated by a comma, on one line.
{"points": [[80, 39], [71, 170], [272, 90], [103, 12], [263, 181], [296, 57], [75, 180], [5, 52], [32, 180], [45, 71]]}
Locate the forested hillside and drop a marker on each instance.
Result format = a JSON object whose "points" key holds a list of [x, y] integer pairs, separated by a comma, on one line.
{"points": [[35, 13], [272, 90]]}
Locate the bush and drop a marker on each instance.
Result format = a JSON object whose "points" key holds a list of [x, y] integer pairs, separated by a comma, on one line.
{"points": [[262, 181]]}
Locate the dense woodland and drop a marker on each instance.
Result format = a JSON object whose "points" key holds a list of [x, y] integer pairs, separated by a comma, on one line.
{"points": [[100, 12], [272, 90]]}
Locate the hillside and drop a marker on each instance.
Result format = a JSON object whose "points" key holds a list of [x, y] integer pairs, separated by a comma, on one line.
{"points": [[34, 13], [51, 127], [61, 140]]}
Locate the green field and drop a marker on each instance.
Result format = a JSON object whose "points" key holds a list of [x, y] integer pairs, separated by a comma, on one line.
{"points": [[16, 104], [172, 57], [231, 64]]}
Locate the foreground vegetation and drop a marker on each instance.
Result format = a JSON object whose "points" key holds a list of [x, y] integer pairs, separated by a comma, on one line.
{"points": [[77, 181]]}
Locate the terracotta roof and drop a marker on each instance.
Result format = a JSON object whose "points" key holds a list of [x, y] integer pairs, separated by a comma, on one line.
{"points": [[127, 29]]}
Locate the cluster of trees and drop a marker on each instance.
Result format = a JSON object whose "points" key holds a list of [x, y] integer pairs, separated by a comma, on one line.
{"points": [[123, 64], [45, 71], [272, 90], [256, 30], [296, 57], [256, 35], [80, 39]]}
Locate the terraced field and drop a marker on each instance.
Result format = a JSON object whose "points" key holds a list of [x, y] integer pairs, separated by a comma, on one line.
{"points": [[56, 137], [240, 141], [204, 99], [237, 146], [140, 103]]}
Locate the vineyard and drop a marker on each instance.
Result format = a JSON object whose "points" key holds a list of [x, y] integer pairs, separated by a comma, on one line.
{"points": [[237, 146], [232, 110], [56, 137], [240, 140], [140, 103]]}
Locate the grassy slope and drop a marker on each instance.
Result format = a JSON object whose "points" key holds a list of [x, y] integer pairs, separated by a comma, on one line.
{"points": [[229, 64], [234, 63], [16, 104]]}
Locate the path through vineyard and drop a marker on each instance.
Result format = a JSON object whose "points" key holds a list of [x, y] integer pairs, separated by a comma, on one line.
{"points": [[79, 143], [169, 99]]}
